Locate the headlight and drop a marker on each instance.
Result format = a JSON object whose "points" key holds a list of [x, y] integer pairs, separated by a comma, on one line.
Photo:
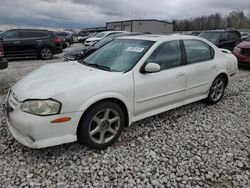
{"points": [[237, 49], [41, 107]]}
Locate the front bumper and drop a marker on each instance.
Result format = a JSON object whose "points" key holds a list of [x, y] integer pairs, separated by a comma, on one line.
{"points": [[37, 131]]}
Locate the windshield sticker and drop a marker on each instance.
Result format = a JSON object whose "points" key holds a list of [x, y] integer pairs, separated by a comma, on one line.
{"points": [[134, 49]]}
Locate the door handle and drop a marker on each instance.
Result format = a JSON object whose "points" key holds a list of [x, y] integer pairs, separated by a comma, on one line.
{"points": [[180, 74], [16, 42]]}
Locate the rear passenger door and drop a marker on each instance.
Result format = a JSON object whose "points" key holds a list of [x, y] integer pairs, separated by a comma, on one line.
{"points": [[30, 41], [200, 67]]}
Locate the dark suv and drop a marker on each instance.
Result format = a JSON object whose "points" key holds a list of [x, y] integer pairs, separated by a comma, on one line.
{"points": [[66, 36], [30, 42], [227, 39], [3, 62]]}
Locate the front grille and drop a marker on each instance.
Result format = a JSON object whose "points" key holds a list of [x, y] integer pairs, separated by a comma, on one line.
{"points": [[13, 101], [245, 52]]}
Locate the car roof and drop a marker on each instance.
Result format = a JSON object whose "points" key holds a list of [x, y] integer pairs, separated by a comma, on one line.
{"points": [[108, 32], [150, 37], [219, 31], [156, 38]]}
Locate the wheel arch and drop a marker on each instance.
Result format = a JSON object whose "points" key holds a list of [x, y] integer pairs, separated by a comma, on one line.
{"points": [[44, 46], [224, 75], [95, 100]]}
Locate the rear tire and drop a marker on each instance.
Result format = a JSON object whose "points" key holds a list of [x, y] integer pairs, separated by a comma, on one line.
{"points": [[101, 125], [46, 53], [216, 91]]}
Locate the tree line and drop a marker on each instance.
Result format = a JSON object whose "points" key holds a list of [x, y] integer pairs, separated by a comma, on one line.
{"points": [[235, 19]]}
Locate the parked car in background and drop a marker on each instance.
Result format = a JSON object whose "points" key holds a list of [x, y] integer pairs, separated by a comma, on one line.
{"points": [[91, 101], [82, 36], [99, 36], [195, 33], [66, 36], [242, 52], [75, 37], [3, 62], [82, 52], [226, 39], [244, 35], [30, 42]]}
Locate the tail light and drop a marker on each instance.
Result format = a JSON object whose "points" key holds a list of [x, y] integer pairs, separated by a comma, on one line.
{"points": [[57, 40], [1, 51]]}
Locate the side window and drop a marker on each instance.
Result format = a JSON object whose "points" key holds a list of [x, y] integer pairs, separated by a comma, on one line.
{"points": [[198, 51], [41, 34], [32, 34], [167, 55], [10, 35], [232, 36], [224, 36], [24, 34]]}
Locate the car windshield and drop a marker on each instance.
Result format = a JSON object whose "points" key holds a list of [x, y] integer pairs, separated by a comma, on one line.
{"points": [[248, 38], [211, 36], [119, 55], [100, 35]]}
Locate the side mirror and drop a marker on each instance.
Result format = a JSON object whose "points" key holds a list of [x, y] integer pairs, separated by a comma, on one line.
{"points": [[152, 68]]}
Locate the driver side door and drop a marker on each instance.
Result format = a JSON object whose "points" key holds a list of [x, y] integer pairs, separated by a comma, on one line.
{"points": [[11, 43], [157, 92]]}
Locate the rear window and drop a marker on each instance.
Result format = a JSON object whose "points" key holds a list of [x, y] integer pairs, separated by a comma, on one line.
{"points": [[211, 36], [233, 36]]}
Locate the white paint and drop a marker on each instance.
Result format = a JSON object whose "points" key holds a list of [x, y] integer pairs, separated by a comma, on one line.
{"points": [[77, 87]]}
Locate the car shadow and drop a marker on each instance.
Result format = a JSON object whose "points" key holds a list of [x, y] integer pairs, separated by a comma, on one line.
{"points": [[31, 59], [244, 67]]}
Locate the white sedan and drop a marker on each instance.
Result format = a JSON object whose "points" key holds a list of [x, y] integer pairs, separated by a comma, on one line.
{"points": [[129, 79]]}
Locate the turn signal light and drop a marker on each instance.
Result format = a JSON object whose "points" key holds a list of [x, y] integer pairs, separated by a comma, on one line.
{"points": [[61, 120]]}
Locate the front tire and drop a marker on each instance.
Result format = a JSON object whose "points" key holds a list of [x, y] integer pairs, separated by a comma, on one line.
{"points": [[46, 53], [101, 125], [216, 91]]}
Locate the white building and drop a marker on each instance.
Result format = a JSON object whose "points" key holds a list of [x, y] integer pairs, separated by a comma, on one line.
{"points": [[144, 25]]}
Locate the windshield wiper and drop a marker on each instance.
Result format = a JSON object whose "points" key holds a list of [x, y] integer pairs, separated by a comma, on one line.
{"points": [[103, 67]]}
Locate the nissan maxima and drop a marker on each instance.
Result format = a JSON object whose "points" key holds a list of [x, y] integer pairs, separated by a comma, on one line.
{"points": [[130, 78]]}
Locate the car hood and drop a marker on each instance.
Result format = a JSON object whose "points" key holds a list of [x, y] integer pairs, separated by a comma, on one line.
{"points": [[244, 44], [54, 79]]}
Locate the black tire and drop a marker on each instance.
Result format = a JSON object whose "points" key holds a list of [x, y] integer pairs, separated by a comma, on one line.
{"points": [[90, 132], [216, 92], [46, 53]]}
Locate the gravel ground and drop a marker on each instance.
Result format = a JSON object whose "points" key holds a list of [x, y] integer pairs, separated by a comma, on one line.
{"points": [[192, 146]]}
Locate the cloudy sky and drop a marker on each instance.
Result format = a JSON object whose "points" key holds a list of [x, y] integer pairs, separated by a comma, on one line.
{"points": [[88, 13]]}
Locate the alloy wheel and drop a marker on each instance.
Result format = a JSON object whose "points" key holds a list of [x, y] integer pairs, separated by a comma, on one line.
{"points": [[46, 53], [104, 126], [217, 89]]}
